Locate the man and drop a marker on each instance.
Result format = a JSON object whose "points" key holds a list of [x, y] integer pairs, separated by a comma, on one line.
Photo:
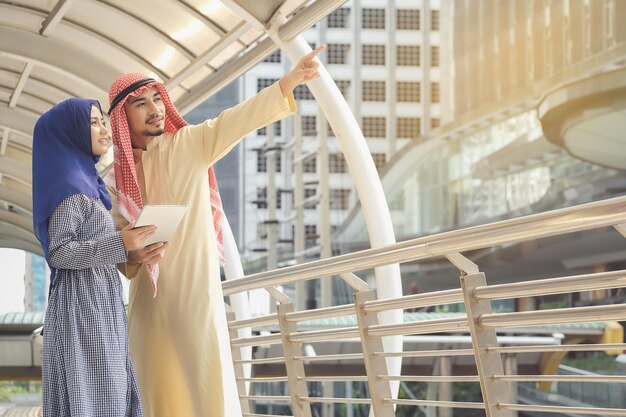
{"points": [[179, 340]]}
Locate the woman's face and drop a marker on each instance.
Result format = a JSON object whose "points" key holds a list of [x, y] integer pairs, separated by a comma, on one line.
{"points": [[99, 132]]}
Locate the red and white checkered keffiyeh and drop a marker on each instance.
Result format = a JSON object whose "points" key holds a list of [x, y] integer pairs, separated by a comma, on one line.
{"points": [[123, 175]]}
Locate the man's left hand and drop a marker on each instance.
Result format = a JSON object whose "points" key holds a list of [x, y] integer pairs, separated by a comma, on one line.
{"points": [[304, 71]]}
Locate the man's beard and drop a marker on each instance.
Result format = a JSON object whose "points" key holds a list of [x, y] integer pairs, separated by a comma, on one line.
{"points": [[155, 133]]}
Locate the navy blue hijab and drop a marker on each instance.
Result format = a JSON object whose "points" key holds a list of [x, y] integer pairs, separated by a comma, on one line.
{"points": [[63, 162]]}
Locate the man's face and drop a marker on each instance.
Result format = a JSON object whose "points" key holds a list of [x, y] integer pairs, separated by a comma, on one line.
{"points": [[146, 117]]}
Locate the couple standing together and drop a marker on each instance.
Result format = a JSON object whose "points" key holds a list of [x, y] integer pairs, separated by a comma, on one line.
{"points": [[178, 336]]}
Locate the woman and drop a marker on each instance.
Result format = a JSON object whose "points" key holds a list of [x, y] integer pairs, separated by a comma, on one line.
{"points": [[86, 366]]}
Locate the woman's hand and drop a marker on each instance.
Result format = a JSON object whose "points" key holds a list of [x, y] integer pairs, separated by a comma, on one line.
{"points": [[304, 71], [134, 238]]}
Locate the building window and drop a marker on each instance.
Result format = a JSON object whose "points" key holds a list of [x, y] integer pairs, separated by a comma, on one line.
{"points": [[310, 234], [434, 123], [261, 198], [373, 54], [338, 53], [379, 160], [408, 19], [262, 83], [434, 20], [343, 86], [374, 127], [308, 193], [339, 18], [309, 125], [434, 56], [374, 91], [261, 161], [278, 130], [309, 165], [337, 163], [339, 199], [434, 92], [302, 92], [274, 57], [373, 18], [408, 55], [408, 127], [408, 92]]}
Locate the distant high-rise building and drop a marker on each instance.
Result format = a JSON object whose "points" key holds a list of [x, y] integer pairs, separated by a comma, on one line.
{"points": [[386, 59], [35, 283]]}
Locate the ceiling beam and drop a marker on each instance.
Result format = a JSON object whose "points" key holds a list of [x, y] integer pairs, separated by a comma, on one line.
{"points": [[24, 223], [226, 74], [16, 169], [55, 16], [245, 14], [16, 198], [307, 18], [5, 141], [90, 73], [20, 84], [227, 40], [17, 120]]}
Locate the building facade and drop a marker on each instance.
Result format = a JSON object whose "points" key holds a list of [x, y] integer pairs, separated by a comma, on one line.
{"points": [[385, 58]]}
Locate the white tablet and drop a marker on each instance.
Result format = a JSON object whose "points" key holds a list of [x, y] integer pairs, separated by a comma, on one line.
{"points": [[165, 217]]}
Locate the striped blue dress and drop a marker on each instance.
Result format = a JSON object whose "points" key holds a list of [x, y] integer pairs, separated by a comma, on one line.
{"points": [[86, 366]]}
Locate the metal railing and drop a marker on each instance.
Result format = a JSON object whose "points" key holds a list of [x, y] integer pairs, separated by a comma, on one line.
{"points": [[495, 365]]}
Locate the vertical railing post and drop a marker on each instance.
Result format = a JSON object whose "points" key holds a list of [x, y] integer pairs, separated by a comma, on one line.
{"points": [[375, 364], [445, 388], [489, 363], [238, 365], [295, 367], [510, 367]]}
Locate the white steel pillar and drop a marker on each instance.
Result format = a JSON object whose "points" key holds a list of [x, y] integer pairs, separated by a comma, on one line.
{"points": [[324, 207], [298, 203], [366, 180]]}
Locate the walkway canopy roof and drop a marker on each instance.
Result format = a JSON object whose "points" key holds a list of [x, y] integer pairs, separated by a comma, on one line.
{"points": [[52, 50]]}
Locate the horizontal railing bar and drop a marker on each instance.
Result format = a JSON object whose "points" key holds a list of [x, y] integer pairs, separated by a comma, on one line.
{"points": [[261, 415], [427, 353], [323, 335], [339, 357], [557, 348], [270, 339], [419, 327], [263, 361], [571, 219], [338, 378], [430, 378], [321, 313], [254, 322], [599, 281], [554, 316], [563, 409], [264, 379], [316, 314], [281, 398], [443, 404], [609, 379], [416, 300], [331, 400]]}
